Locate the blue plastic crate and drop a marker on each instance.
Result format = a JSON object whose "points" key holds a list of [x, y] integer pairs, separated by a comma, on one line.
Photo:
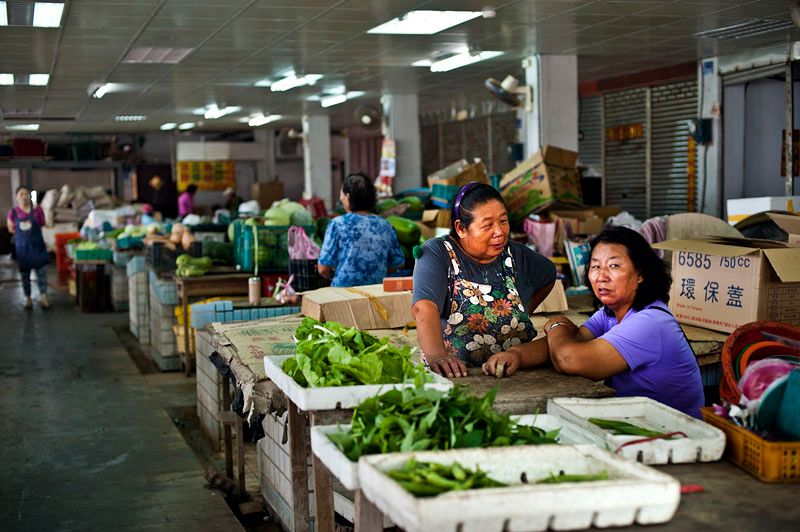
{"points": [[135, 265]]}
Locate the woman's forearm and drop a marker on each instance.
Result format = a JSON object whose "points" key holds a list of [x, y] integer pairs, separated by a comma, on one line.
{"points": [[429, 328], [531, 354]]}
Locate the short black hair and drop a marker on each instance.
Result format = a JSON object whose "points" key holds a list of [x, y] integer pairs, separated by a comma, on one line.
{"points": [[478, 194], [360, 192], [22, 187], [191, 189], [656, 280]]}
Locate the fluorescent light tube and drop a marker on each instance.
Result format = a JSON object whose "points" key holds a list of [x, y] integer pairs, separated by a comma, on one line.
{"points": [[39, 80], [23, 127], [333, 100], [213, 112], [425, 22], [130, 118], [101, 90], [263, 83], [186, 125], [3, 14], [168, 126], [291, 82], [47, 14], [422, 63], [460, 60], [6, 79], [261, 120]]}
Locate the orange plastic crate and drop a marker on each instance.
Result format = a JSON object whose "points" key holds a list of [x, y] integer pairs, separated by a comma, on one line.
{"points": [[769, 461]]}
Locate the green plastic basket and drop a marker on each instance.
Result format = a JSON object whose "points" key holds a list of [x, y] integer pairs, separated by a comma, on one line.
{"points": [[271, 249]]}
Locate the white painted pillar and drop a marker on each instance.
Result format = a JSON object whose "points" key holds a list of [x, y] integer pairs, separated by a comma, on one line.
{"points": [[317, 158], [265, 166], [401, 123], [709, 158], [554, 118]]}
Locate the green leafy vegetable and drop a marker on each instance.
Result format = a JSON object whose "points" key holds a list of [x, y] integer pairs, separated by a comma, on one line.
{"points": [[330, 354], [415, 419], [562, 478], [427, 479], [623, 428]]}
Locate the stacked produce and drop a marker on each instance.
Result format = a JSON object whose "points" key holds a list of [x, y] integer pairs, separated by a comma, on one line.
{"points": [[416, 419], [330, 354], [189, 266]]}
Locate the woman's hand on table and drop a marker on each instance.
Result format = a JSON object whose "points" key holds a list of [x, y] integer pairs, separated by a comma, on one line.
{"points": [[503, 364], [448, 366]]}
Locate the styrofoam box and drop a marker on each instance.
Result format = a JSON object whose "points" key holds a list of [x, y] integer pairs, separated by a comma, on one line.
{"points": [[741, 208], [333, 397], [346, 471], [703, 443], [634, 493]]}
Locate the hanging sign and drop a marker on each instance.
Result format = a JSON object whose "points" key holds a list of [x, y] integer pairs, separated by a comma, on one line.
{"points": [[207, 175], [383, 183]]}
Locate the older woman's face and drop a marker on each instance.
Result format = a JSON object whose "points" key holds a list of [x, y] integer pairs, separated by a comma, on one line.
{"points": [[487, 236], [613, 276]]}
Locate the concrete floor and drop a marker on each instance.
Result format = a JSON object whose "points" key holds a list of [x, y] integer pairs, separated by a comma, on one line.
{"points": [[85, 440]]}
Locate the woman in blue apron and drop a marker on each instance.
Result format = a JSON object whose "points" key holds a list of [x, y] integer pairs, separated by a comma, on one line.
{"points": [[25, 222]]}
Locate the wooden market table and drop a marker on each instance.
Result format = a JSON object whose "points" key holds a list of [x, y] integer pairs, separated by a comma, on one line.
{"points": [[231, 284]]}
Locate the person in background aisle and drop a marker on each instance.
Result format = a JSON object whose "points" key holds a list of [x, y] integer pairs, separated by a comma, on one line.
{"points": [[633, 342], [25, 222], [474, 289], [359, 247], [186, 201], [232, 201]]}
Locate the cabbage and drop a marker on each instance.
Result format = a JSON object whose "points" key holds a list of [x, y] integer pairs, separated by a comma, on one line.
{"points": [[302, 217], [290, 207], [276, 216]]}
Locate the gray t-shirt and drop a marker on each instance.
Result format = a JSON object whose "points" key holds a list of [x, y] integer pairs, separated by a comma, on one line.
{"points": [[532, 271]]}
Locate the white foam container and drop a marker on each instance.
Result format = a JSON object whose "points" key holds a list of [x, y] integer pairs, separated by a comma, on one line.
{"points": [[703, 443], [333, 397], [634, 493], [347, 472]]}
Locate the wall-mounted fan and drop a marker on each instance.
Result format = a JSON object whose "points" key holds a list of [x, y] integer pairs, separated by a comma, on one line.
{"points": [[510, 93], [368, 115]]}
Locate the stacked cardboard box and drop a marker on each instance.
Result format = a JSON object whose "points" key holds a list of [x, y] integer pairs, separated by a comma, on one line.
{"points": [[139, 306]]}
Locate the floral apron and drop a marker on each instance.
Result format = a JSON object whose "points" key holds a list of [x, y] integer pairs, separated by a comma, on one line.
{"points": [[484, 319]]}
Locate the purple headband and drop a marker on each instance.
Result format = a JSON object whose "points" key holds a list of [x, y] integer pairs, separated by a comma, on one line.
{"points": [[460, 196]]}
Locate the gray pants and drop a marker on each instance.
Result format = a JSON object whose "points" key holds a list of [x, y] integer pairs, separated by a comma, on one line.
{"points": [[41, 281]]}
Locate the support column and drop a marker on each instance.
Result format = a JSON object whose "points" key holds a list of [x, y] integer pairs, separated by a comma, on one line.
{"points": [[554, 118], [317, 158], [265, 167], [401, 123], [709, 156]]}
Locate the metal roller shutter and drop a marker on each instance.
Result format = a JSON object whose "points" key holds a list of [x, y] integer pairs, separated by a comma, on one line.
{"points": [[590, 124], [625, 175], [672, 107]]}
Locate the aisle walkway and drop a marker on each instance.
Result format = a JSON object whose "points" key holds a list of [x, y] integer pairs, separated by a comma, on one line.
{"points": [[85, 441]]}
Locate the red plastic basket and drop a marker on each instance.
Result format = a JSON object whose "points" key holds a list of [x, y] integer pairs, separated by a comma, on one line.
{"points": [[748, 333]]}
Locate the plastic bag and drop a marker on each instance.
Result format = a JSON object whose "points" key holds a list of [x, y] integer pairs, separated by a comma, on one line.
{"points": [[300, 246], [285, 293]]}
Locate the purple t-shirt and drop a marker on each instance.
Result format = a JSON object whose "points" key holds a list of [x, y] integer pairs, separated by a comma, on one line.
{"points": [[185, 204], [662, 365]]}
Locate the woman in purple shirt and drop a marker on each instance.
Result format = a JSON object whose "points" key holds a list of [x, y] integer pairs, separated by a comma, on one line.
{"points": [[25, 222], [633, 341]]}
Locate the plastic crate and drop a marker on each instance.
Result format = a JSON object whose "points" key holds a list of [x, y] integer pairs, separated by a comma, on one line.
{"points": [[769, 461], [161, 259], [442, 195], [130, 242], [272, 246], [94, 254], [306, 276], [62, 261]]}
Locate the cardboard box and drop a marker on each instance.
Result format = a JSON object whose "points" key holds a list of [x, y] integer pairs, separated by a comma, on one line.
{"points": [[267, 193], [546, 179], [571, 224], [556, 300], [725, 283], [739, 209], [789, 223], [436, 218], [360, 307], [459, 173]]}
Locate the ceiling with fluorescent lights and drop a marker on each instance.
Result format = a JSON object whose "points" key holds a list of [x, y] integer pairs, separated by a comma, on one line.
{"points": [[232, 44]]}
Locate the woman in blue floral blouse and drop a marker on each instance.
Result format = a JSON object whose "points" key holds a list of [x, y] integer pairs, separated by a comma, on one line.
{"points": [[473, 289], [360, 246]]}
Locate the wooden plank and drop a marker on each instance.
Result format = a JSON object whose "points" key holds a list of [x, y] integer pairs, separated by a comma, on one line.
{"points": [[323, 488], [299, 457], [368, 517]]}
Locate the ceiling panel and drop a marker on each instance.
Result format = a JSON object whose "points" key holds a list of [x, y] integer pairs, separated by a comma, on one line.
{"points": [[238, 42]]}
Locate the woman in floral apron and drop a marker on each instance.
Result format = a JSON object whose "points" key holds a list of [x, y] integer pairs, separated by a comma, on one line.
{"points": [[25, 222], [473, 289]]}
